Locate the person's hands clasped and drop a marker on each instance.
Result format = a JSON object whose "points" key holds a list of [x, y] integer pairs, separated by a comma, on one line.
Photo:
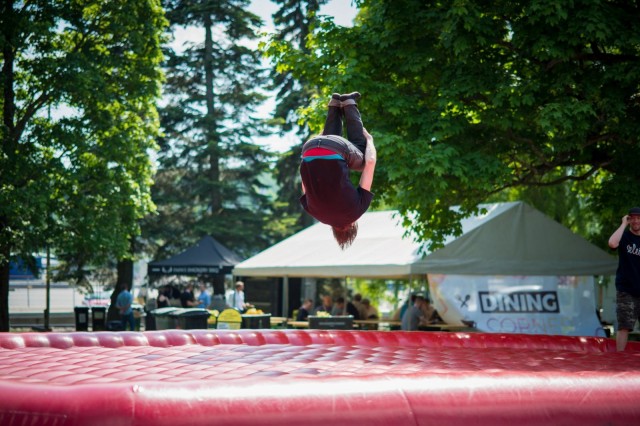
{"points": [[370, 153]]}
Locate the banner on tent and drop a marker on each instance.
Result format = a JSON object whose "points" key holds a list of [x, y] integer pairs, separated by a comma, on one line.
{"points": [[182, 270], [563, 305]]}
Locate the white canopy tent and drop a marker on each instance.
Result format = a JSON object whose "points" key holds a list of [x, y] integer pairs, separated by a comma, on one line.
{"points": [[509, 239], [498, 274], [378, 251]]}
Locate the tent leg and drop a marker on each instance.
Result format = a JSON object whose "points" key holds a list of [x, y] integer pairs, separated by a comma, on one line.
{"points": [[285, 297]]}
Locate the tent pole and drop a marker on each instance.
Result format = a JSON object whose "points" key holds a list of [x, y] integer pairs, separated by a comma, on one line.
{"points": [[285, 296]]}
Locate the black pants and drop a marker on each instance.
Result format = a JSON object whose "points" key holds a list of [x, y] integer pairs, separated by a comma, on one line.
{"points": [[352, 149], [352, 121]]}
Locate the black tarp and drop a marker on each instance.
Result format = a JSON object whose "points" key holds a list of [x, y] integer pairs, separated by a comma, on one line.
{"points": [[207, 258]]}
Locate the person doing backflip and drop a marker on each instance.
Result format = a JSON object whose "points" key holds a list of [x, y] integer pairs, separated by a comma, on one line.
{"points": [[328, 194]]}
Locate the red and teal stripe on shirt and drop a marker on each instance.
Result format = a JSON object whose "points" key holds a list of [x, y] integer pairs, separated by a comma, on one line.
{"points": [[320, 154]]}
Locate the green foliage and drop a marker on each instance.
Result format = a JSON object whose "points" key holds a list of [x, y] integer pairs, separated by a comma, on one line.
{"points": [[467, 100], [391, 293], [80, 81], [375, 290]]}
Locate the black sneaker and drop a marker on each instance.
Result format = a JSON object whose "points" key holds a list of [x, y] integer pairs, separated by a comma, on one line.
{"points": [[355, 96], [335, 100]]}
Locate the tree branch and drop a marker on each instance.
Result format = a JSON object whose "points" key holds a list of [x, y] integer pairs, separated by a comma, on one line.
{"points": [[29, 112], [528, 179], [606, 58]]}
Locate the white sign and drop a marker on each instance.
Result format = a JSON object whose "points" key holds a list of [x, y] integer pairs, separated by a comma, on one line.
{"points": [[563, 305]]}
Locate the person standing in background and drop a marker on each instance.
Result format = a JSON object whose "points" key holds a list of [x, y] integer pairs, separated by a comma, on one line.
{"points": [[626, 239], [123, 303], [163, 297], [204, 299], [187, 299], [236, 299]]}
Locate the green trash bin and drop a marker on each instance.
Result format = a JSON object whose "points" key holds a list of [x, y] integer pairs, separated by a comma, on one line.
{"points": [[162, 319], [82, 318], [190, 318], [99, 318]]}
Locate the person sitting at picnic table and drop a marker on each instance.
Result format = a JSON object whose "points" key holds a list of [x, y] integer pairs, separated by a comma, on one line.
{"points": [[429, 313], [412, 316], [326, 306], [343, 308], [370, 311], [357, 301], [399, 313], [304, 310]]}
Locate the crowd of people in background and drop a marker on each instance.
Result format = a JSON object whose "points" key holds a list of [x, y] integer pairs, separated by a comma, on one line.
{"points": [[414, 313], [359, 308], [171, 296]]}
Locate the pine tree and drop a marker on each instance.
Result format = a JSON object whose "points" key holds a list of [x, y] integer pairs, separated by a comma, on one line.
{"points": [[209, 176]]}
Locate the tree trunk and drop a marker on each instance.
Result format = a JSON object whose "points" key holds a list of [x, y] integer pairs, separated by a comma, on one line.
{"points": [[8, 116], [47, 310], [210, 121], [5, 251]]}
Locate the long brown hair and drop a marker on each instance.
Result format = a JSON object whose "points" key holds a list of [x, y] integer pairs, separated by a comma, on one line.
{"points": [[345, 236]]}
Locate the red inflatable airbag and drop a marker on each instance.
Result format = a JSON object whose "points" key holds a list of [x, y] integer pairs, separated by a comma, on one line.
{"points": [[310, 377]]}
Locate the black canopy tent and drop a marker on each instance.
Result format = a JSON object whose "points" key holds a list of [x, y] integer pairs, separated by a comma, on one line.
{"points": [[208, 258]]}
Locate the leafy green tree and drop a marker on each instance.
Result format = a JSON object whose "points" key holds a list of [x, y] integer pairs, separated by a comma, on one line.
{"points": [[210, 172], [469, 99], [375, 290], [80, 81]]}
